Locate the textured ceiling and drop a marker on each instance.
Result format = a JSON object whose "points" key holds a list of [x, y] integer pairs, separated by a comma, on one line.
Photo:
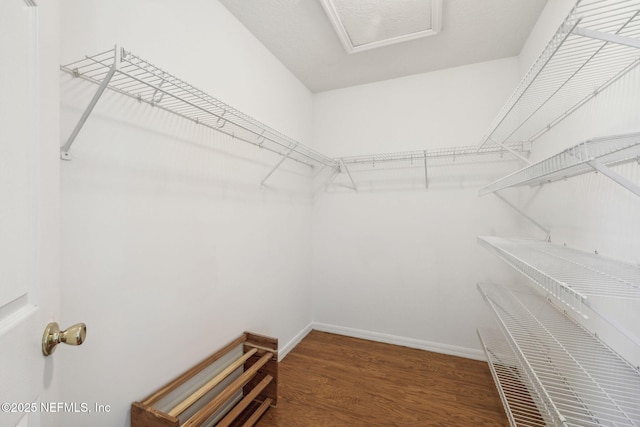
{"points": [[368, 24], [300, 35]]}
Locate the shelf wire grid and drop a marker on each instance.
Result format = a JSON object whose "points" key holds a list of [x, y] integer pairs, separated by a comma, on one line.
{"points": [[522, 402], [447, 155], [588, 383], [145, 82], [573, 161], [571, 70], [569, 275]]}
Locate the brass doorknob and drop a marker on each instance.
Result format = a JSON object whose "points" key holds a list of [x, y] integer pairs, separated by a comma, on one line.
{"points": [[73, 335]]}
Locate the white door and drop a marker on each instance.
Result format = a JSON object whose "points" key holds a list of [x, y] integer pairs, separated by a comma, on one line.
{"points": [[28, 286]]}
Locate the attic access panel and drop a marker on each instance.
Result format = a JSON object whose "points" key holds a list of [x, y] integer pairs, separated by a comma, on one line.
{"points": [[365, 25]]}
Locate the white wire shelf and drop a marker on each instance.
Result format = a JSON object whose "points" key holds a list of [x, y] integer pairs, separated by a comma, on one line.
{"points": [[569, 275], [424, 159], [573, 161], [522, 402], [130, 75], [446, 155], [580, 381], [597, 44]]}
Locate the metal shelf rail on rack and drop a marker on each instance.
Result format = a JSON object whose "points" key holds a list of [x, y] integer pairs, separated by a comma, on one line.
{"points": [[571, 276], [519, 397], [597, 44], [130, 75], [568, 376], [549, 369], [595, 154], [126, 73], [432, 157]]}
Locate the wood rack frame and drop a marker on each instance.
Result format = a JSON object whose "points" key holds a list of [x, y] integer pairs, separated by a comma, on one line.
{"points": [[220, 398]]}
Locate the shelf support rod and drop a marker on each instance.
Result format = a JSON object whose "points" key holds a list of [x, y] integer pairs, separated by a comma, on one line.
{"points": [[426, 177], [512, 151], [319, 171], [333, 176], [64, 150], [350, 177], [285, 157], [521, 212], [598, 167], [607, 37]]}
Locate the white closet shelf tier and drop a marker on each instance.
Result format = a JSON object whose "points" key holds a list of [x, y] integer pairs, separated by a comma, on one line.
{"points": [[597, 44], [578, 380], [577, 160], [570, 275], [519, 396], [446, 155], [130, 75]]}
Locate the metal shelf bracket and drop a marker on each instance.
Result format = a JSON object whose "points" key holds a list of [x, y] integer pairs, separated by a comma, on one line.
{"points": [[607, 37], [527, 217], [426, 176], [132, 76], [512, 151], [355, 187], [64, 150], [278, 165], [596, 45], [619, 179]]}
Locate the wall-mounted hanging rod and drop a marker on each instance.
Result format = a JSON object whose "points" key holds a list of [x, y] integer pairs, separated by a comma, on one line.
{"points": [[594, 47], [130, 75]]}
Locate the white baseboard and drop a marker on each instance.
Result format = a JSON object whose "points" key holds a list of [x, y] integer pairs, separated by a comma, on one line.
{"points": [[282, 352], [452, 350]]}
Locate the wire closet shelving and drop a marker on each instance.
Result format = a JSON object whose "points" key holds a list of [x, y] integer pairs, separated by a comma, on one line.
{"points": [[519, 398], [433, 157], [570, 275], [568, 376], [597, 44], [595, 154], [130, 75], [448, 155]]}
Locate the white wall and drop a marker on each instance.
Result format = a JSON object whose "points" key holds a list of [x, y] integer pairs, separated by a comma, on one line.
{"points": [[402, 265], [169, 247], [591, 212]]}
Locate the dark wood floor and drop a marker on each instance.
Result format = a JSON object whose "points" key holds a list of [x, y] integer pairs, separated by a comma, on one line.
{"points": [[332, 380]]}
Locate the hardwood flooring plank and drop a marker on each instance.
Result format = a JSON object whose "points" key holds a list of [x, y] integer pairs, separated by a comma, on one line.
{"points": [[332, 380]]}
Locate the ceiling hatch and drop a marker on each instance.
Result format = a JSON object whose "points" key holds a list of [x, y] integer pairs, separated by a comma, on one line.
{"points": [[369, 24]]}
